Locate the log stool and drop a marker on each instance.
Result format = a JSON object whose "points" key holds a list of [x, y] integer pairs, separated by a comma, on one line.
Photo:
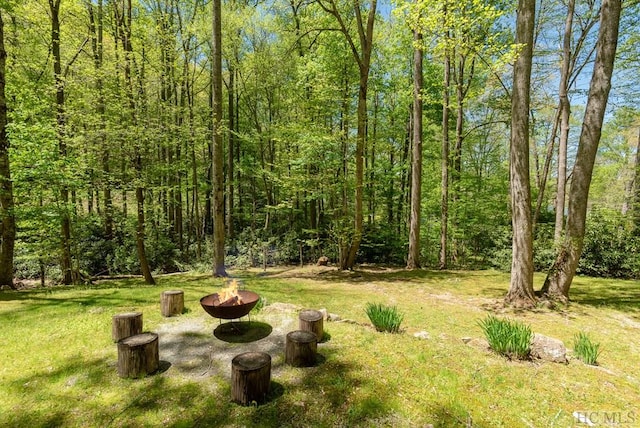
{"points": [[300, 349], [138, 355], [250, 377], [311, 320], [125, 325], [172, 303]]}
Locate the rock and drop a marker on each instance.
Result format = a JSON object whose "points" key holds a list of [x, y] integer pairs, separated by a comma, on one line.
{"points": [[333, 317], [548, 349], [323, 261], [422, 335], [281, 307], [481, 344], [466, 339], [324, 313]]}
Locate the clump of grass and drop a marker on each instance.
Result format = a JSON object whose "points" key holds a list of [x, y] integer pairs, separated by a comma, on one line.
{"points": [[262, 302], [585, 349], [509, 338], [384, 318]]}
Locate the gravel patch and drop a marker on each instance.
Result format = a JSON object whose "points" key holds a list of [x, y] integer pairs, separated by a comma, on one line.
{"points": [[202, 347]]}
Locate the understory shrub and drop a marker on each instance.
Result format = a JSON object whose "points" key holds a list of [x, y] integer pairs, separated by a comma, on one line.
{"points": [[610, 246], [384, 318], [585, 349], [509, 338]]}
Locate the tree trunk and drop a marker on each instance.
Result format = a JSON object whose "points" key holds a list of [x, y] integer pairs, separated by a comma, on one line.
{"points": [[635, 197], [96, 31], [444, 165], [65, 222], [218, 152], [6, 187], [560, 277], [125, 22], [565, 112], [413, 259], [521, 288], [230, 151]]}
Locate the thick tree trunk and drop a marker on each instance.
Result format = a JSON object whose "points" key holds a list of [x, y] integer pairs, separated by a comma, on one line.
{"points": [[521, 288], [8, 233], [218, 152], [560, 277], [413, 259]]}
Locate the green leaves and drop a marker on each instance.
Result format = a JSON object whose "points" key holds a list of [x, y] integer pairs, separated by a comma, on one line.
{"points": [[384, 318], [585, 349], [509, 338]]}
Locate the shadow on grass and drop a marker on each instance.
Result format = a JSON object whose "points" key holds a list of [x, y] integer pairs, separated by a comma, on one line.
{"points": [[621, 295], [366, 274]]}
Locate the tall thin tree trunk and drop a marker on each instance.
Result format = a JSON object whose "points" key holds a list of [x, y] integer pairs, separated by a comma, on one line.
{"points": [[96, 30], [521, 289], [231, 151], [413, 259], [635, 196], [125, 22], [444, 165], [565, 112], [65, 226], [218, 152], [7, 216], [560, 277]]}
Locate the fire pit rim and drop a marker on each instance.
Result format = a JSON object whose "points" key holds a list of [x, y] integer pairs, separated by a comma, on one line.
{"points": [[249, 299]]}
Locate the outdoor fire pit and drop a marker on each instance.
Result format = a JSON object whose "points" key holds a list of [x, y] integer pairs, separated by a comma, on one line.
{"points": [[231, 308]]}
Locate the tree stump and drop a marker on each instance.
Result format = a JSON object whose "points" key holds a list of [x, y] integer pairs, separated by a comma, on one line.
{"points": [[138, 355], [300, 349], [312, 320], [172, 303], [125, 325], [250, 377]]}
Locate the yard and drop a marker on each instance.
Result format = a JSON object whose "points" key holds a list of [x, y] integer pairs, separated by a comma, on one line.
{"points": [[58, 363]]}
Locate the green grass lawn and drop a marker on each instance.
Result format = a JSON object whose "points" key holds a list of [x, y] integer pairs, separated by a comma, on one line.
{"points": [[58, 362]]}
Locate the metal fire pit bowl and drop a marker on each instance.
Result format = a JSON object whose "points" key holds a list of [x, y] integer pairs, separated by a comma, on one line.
{"points": [[212, 305]]}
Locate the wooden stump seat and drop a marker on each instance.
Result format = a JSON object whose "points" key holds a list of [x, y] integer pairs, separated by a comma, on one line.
{"points": [[138, 355], [300, 348], [312, 320], [172, 303], [125, 325], [250, 377]]}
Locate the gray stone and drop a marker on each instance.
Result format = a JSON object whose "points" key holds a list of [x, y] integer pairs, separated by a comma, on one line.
{"points": [[333, 317], [548, 349]]}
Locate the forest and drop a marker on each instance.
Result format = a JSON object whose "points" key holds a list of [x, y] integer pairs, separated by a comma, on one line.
{"points": [[147, 136]]}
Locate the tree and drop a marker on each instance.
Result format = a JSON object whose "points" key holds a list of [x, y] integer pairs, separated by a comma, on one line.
{"points": [[521, 288], [218, 152], [560, 277], [7, 216], [362, 55], [124, 21], [54, 7], [413, 259]]}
